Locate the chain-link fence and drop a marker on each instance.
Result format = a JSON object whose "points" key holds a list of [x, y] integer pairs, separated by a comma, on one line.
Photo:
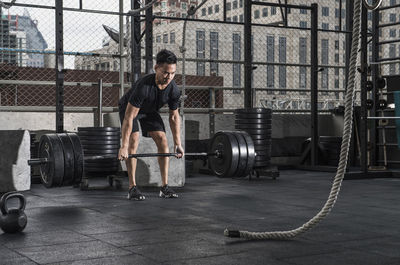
{"points": [[214, 41]]}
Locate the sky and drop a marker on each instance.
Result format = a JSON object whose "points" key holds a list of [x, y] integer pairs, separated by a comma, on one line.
{"points": [[82, 31]]}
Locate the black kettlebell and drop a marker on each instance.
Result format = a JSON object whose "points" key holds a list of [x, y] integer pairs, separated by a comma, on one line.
{"points": [[12, 220]]}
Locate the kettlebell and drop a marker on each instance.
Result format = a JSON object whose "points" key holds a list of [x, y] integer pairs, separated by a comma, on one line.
{"points": [[12, 220]]}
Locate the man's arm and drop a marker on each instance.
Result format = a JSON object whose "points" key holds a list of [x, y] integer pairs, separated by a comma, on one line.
{"points": [[130, 114], [175, 124]]}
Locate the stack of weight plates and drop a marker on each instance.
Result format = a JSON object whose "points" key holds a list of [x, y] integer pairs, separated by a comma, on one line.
{"points": [[257, 123], [100, 141], [35, 176]]}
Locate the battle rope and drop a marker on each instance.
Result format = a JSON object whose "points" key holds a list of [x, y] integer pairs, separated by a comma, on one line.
{"points": [[349, 98]]}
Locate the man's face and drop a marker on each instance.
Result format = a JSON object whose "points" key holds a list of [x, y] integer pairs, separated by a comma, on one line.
{"points": [[165, 73]]}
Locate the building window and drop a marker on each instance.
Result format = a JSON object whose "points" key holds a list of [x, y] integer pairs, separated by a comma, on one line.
{"points": [[228, 6], [392, 33], [273, 10], [257, 13], [303, 24], [324, 61], [392, 54], [200, 48], [184, 6], [165, 38], [282, 59], [336, 45], [172, 37], [392, 2], [302, 60], [241, 18], [214, 53], [163, 5], [392, 17], [336, 71], [236, 57], [270, 59], [158, 38], [336, 83], [203, 12], [216, 9], [303, 11], [336, 57], [240, 3], [325, 26], [228, 19], [234, 4], [235, 19], [210, 10], [325, 11], [265, 12]]}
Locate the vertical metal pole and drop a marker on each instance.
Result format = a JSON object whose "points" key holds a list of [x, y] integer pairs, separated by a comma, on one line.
{"points": [[149, 39], [135, 43], [340, 14], [100, 104], [59, 68], [363, 81], [121, 49], [248, 90], [314, 85], [375, 91], [349, 37], [286, 15], [224, 7], [211, 92]]}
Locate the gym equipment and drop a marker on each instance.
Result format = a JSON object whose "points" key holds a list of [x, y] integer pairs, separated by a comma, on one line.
{"points": [[62, 161], [380, 83], [12, 220], [369, 103], [369, 86]]}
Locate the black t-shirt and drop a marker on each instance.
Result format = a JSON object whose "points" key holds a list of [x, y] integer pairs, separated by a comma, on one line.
{"points": [[149, 98]]}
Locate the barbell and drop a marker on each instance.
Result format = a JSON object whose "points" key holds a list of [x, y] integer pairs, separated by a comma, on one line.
{"points": [[61, 157]]}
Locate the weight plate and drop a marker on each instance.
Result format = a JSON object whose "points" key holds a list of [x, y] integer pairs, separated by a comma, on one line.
{"points": [[100, 147], [262, 157], [260, 137], [262, 164], [253, 110], [99, 138], [261, 142], [262, 148], [253, 126], [253, 121], [78, 154], [253, 116], [264, 153], [89, 152], [97, 129], [250, 152], [225, 164], [51, 172], [99, 142], [69, 158], [258, 131], [94, 133], [242, 155]]}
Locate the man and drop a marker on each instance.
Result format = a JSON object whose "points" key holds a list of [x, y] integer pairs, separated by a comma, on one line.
{"points": [[142, 103]]}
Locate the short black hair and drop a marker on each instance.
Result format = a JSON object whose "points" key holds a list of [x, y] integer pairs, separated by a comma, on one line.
{"points": [[166, 56]]}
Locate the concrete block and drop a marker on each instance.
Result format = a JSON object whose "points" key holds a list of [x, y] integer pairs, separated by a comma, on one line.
{"points": [[15, 173], [148, 171]]}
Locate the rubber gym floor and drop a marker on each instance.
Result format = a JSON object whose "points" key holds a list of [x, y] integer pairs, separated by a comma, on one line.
{"points": [[70, 226]]}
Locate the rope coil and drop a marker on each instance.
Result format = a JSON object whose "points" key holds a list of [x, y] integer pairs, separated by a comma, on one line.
{"points": [[348, 120]]}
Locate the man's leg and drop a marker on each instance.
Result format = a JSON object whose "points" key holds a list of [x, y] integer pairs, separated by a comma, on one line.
{"points": [[160, 139], [131, 162]]}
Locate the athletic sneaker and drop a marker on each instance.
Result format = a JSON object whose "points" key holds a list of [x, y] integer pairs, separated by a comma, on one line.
{"points": [[167, 192], [135, 194]]}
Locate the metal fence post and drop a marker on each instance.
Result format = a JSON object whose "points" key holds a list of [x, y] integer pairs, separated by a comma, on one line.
{"points": [[314, 85], [248, 90], [135, 43], [59, 67], [149, 39], [121, 49]]}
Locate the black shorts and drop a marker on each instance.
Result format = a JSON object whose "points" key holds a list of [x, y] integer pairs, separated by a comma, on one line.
{"points": [[149, 122]]}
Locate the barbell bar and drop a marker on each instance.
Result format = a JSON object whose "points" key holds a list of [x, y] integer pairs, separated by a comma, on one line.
{"points": [[61, 157]]}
